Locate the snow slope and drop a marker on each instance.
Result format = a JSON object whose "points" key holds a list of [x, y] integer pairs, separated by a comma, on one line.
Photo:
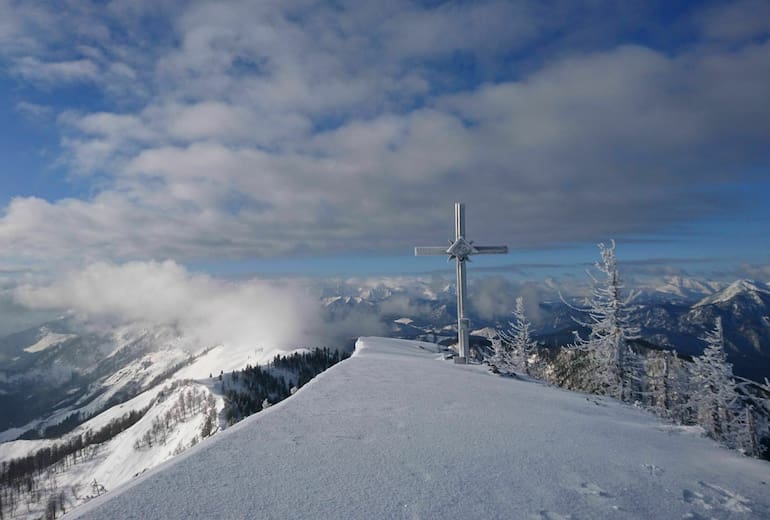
{"points": [[118, 460], [48, 340], [396, 432]]}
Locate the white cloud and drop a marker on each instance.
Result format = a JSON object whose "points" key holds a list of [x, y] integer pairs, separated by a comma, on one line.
{"points": [[735, 21], [251, 312], [123, 126], [71, 71], [249, 129], [211, 120], [759, 272], [478, 27], [34, 111]]}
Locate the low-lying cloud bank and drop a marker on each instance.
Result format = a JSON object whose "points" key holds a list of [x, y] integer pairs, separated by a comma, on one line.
{"points": [[253, 312]]}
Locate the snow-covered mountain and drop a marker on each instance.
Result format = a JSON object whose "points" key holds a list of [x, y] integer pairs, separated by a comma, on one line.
{"points": [[673, 314], [743, 306], [71, 378], [88, 448], [109, 449], [65, 367], [397, 432], [62, 367], [744, 291], [682, 289]]}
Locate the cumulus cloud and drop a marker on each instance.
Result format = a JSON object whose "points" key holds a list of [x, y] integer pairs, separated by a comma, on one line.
{"points": [[759, 272], [33, 110], [405, 305], [248, 129], [735, 21], [32, 69], [494, 298], [244, 313]]}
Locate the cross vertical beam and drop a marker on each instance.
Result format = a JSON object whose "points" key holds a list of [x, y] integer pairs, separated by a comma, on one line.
{"points": [[462, 321], [460, 250]]}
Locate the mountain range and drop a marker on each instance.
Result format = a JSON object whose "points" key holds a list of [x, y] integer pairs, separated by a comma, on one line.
{"points": [[68, 379], [672, 315]]}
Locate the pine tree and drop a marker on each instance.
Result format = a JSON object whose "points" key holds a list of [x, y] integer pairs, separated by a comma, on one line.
{"points": [[714, 399], [517, 344], [614, 370], [743, 428], [667, 386]]}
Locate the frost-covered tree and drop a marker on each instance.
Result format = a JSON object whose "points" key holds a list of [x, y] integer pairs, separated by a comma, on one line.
{"points": [[512, 347], [614, 369], [667, 379], [519, 344], [744, 433], [713, 398], [498, 357]]}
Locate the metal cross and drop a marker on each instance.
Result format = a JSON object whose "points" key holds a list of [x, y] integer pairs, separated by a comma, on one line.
{"points": [[460, 249]]}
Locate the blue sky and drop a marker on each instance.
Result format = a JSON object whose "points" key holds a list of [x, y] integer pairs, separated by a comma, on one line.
{"points": [[328, 138]]}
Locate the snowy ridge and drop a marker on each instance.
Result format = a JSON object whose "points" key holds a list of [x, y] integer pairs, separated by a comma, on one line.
{"points": [[739, 287], [687, 288], [50, 339], [397, 432]]}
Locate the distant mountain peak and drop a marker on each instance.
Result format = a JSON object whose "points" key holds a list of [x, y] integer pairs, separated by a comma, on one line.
{"points": [[746, 287], [687, 288]]}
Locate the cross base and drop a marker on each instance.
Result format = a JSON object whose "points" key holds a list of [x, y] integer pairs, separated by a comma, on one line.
{"points": [[460, 360]]}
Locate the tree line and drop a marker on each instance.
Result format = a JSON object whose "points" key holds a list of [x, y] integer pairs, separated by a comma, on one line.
{"points": [[188, 404], [22, 476], [254, 388]]}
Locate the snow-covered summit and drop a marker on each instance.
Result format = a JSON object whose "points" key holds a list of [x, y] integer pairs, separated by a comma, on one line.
{"points": [[396, 432], [686, 288], [748, 288]]}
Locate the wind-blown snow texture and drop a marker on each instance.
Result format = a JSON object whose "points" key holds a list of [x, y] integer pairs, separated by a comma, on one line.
{"points": [[395, 432]]}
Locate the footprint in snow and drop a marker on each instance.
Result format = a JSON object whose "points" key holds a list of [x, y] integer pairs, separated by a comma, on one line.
{"points": [[653, 469], [550, 515], [591, 489], [715, 499]]}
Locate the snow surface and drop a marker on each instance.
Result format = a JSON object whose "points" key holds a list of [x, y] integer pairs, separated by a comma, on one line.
{"points": [[47, 341], [397, 432]]}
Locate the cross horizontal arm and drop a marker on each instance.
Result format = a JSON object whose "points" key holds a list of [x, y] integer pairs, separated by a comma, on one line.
{"points": [[490, 250], [430, 251]]}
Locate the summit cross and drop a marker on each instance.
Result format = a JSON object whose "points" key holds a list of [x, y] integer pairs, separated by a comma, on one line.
{"points": [[460, 249]]}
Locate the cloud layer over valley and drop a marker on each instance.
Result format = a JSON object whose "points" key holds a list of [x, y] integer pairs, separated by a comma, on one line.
{"points": [[209, 310]]}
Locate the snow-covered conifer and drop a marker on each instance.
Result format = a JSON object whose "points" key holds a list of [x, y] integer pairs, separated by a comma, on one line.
{"points": [[744, 432], [613, 368], [498, 356], [667, 385], [714, 399], [518, 338]]}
